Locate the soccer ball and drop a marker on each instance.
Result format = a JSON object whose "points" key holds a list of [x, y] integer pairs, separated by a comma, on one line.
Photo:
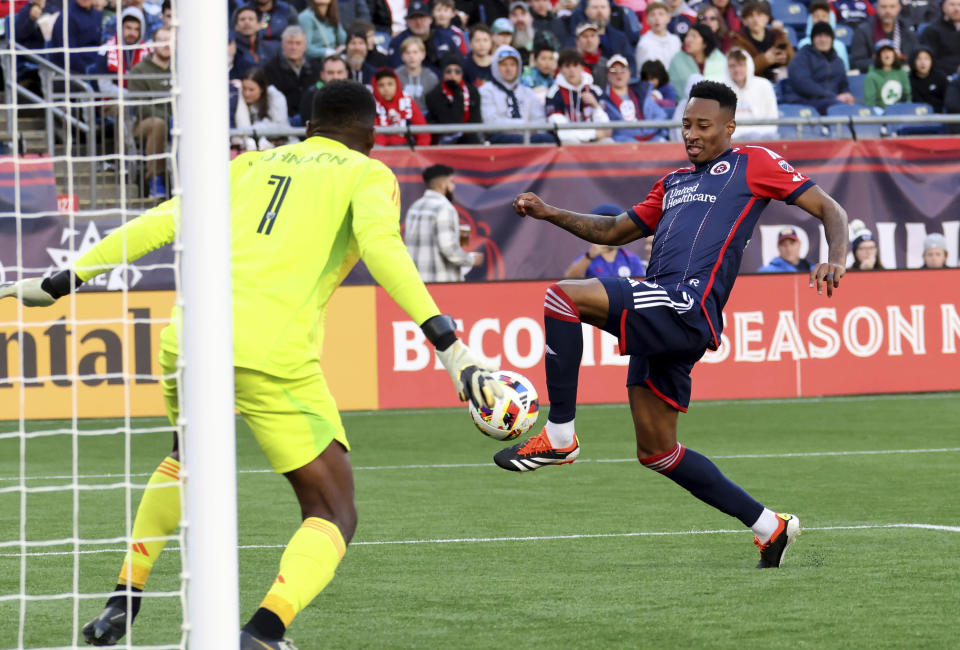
{"points": [[513, 414]]}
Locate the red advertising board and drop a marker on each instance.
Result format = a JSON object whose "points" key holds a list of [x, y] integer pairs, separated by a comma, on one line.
{"points": [[882, 332]]}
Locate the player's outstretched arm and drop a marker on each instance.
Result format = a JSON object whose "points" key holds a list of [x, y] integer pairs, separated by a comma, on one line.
{"points": [[595, 228], [834, 218]]}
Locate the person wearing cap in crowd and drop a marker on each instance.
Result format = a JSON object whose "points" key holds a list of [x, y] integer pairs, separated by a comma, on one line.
{"points": [[396, 108], [437, 42], [523, 32], [416, 79], [820, 12], [943, 38], [934, 251], [504, 101], [454, 101], [816, 74], [789, 260], [657, 43], [700, 55], [376, 57], [574, 98], [545, 20], [864, 248], [626, 101], [927, 84], [540, 75], [769, 46], [588, 44], [478, 68], [602, 261], [432, 230], [617, 36], [886, 25], [502, 30], [756, 98], [887, 82]]}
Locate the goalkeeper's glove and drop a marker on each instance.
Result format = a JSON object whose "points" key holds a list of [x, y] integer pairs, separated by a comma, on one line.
{"points": [[471, 378], [40, 292]]}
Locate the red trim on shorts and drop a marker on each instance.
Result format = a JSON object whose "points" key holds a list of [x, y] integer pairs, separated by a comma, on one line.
{"points": [[622, 343], [673, 403]]}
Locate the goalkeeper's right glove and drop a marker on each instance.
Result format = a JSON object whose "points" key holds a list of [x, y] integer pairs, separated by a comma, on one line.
{"points": [[30, 292], [471, 378]]}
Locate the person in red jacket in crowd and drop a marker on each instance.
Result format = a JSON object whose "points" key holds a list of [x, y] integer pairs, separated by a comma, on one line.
{"points": [[396, 108]]}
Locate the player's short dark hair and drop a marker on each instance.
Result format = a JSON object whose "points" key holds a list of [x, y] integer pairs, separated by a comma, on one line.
{"points": [[757, 6], [343, 102], [654, 69], [480, 27], [719, 92], [433, 172], [570, 56]]}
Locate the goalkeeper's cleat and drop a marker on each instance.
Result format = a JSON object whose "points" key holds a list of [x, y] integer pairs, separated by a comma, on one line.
{"points": [[107, 628], [535, 453], [250, 642], [771, 553]]}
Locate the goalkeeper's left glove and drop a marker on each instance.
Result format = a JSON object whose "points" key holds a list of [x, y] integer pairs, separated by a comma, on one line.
{"points": [[471, 378], [40, 292]]}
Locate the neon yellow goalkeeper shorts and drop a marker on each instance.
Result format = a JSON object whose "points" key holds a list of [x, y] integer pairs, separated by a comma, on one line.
{"points": [[293, 420]]}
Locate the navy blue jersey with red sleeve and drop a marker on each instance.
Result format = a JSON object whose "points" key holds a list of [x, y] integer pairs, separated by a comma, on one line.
{"points": [[703, 217]]}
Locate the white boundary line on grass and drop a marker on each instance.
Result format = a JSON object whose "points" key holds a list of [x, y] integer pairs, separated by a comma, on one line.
{"points": [[530, 538], [800, 454]]}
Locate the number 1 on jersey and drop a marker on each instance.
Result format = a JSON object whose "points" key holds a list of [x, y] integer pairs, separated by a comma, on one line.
{"points": [[283, 184]]}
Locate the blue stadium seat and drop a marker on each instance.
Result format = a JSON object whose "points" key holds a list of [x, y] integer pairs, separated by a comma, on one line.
{"points": [[912, 129], [791, 13], [857, 110], [791, 35], [798, 132], [844, 34], [856, 82]]}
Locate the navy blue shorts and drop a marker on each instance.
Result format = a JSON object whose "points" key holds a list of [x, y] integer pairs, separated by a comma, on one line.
{"points": [[663, 331]]}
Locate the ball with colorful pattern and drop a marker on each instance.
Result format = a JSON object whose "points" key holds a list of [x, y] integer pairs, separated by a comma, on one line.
{"points": [[513, 414]]}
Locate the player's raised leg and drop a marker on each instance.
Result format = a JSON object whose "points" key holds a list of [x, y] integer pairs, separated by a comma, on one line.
{"points": [[566, 304], [655, 423]]}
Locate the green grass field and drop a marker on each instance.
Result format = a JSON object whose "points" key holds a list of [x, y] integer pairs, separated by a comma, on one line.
{"points": [[452, 552]]}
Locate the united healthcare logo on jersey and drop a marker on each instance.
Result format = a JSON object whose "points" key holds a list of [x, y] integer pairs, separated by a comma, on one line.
{"points": [[688, 194], [721, 167]]}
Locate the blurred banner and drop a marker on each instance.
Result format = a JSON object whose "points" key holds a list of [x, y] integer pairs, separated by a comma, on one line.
{"points": [[882, 332]]}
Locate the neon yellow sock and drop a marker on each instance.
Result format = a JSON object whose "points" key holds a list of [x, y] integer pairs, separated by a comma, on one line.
{"points": [[157, 515], [307, 566]]}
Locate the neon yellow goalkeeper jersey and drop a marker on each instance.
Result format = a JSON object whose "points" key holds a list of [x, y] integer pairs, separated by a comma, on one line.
{"points": [[301, 215]]}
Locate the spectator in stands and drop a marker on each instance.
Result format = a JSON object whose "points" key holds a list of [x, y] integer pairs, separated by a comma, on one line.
{"points": [[358, 59], [820, 12], [488, 11], [755, 98], [291, 72], [504, 101], [321, 25], [887, 83], [444, 15], [415, 79], [523, 32], [710, 16], [539, 76], [729, 11], [477, 68], [396, 108], [239, 61], [943, 38], [607, 13], [927, 84], [916, 13], [574, 98], [654, 73], [606, 261], [260, 105], [934, 251], [588, 43], [152, 118], [115, 58], [853, 12], [626, 101], [817, 77], [884, 26], [788, 245], [432, 230], [865, 252], [351, 11], [502, 30], [769, 46], [545, 20], [273, 17], [83, 31], [951, 100], [454, 101], [246, 29], [332, 68], [376, 57], [381, 16], [681, 17], [150, 21], [27, 24], [698, 56], [657, 43], [437, 42]]}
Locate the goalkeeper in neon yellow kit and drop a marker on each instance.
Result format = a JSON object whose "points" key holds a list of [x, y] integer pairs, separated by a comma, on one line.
{"points": [[301, 216]]}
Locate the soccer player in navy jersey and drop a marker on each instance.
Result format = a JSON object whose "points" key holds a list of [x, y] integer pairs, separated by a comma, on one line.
{"points": [[701, 218]]}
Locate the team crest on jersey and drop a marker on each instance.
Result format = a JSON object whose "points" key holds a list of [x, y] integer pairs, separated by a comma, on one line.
{"points": [[785, 166], [721, 167]]}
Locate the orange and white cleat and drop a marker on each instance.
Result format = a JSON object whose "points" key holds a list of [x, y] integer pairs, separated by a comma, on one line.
{"points": [[535, 453], [771, 553]]}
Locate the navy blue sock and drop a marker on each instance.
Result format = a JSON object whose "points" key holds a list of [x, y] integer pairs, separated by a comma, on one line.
{"points": [[564, 338], [704, 480]]}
